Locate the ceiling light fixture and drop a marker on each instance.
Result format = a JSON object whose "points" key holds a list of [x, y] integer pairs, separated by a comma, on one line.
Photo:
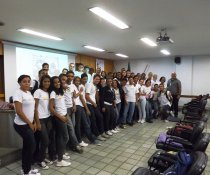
{"points": [[32, 32], [165, 52], [108, 17], [148, 42], [94, 48], [121, 55]]}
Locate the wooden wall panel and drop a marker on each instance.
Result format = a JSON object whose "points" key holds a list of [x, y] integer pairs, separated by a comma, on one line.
{"points": [[91, 62], [1, 48]]}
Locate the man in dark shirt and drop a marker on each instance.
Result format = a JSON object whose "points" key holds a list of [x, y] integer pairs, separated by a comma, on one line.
{"points": [[175, 87]]}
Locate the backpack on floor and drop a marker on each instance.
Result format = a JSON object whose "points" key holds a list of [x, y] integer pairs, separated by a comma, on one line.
{"points": [[181, 166]]}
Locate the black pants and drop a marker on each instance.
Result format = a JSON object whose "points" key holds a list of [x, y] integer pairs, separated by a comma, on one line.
{"points": [[61, 137], [46, 126], [175, 105], [109, 118], [82, 120], [164, 112], [96, 119], [29, 145]]}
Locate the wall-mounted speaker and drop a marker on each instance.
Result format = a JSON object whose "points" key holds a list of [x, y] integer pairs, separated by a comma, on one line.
{"points": [[177, 60]]}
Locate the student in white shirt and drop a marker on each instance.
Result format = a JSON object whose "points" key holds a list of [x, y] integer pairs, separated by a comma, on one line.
{"points": [[142, 102], [71, 108], [154, 80], [59, 111], [69, 102], [164, 98], [119, 95], [96, 118], [24, 122], [42, 117], [131, 97], [82, 111], [149, 96]]}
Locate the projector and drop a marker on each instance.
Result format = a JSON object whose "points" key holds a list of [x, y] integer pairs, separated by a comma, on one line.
{"points": [[164, 39]]}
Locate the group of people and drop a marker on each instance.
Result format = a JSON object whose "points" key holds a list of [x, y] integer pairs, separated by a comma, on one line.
{"points": [[55, 113]]}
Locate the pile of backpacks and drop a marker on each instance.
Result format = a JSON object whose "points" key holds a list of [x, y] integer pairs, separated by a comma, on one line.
{"points": [[181, 150]]}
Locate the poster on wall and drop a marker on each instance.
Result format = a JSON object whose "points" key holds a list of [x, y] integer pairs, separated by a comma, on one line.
{"points": [[100, 64]]}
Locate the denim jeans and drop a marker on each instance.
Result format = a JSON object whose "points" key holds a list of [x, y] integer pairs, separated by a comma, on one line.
{"points": [[96, 118], [128, 112], [83, 120], [117, 111], [148, 110], [29, 145], [155, 108], [46, 127], [141, 105], [61, 137]]}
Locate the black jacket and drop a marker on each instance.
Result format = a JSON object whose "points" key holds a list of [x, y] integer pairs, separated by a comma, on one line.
{"points": [[106, 95]]}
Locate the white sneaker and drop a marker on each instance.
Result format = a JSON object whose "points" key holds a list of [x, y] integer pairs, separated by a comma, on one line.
{"points": [[32, 172], [63, 163], [43, 165], [142, 121], [109, 133], [114, 131], [66, 157], [139, 121], [83, 144], [48, 162], [166, 121], [117, 128], [67, 154]]}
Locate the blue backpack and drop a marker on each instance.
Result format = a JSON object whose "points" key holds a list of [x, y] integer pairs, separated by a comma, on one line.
{"points": [[184, 160]]}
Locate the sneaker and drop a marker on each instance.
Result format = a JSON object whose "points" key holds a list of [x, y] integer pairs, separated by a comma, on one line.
{"points": [[83, 144], [32, 172], [105, 135], [100, 138], [96, 142], [65, 157], [67, 154], [142, 121], [123, 126], [117, 128], [109, 133], [48, 162], [79, 149], [63, 163], [166, 121], [139, 121], [114, 131], [43, 165]]}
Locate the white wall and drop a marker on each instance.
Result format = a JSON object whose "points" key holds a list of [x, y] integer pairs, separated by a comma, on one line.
{"points": [[193, 72]]}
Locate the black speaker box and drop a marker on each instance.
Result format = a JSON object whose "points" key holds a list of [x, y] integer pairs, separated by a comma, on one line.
{"points": [[177, 60]]}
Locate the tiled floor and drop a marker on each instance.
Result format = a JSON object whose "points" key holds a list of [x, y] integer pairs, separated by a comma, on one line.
{"points": [[119, 155]]}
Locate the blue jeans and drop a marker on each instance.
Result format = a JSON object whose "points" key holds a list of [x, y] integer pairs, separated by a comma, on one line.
{"points": [[148, 110], [128, 112], [141, 105], [155, 107], [117, 110]]}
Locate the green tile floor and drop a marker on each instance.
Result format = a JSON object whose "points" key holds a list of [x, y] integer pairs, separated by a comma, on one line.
{"points": [[119, 155]]}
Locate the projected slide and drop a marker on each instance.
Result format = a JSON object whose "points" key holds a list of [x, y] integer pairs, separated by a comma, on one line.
{"points": [[30, 61]]}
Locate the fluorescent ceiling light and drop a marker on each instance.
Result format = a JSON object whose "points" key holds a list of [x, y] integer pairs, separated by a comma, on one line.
{"points": [[94, 48], [148, 42], [165, 52], [32, 32], [121, 55], [108, 17]]}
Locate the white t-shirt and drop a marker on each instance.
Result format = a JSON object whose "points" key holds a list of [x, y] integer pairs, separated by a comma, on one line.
{"points": [[91, 89], [28, 106], [43, 106], [117, 95], [77, 100], [143, 91], [163, 99], [60, 106], [68, 94], [148, 91], [131, 92]]}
